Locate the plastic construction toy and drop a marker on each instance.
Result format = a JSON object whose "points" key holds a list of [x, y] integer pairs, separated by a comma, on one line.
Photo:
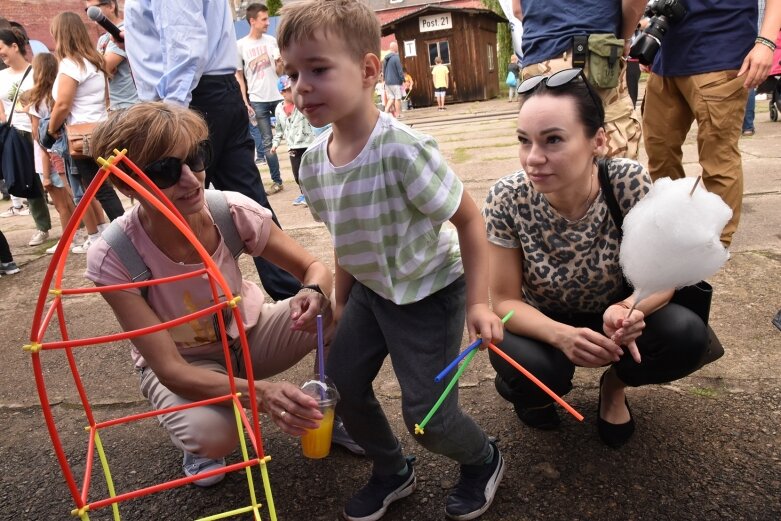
{"points": [[50, 304]]}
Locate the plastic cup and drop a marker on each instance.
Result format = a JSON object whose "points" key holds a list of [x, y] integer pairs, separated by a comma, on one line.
{"points": [[316, 443]]}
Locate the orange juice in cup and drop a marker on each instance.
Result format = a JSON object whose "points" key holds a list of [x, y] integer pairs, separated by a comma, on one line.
{"points": [[316, 443]]}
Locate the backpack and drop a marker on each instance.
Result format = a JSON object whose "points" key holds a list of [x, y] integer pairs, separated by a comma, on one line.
{"points": [[116, 237]]}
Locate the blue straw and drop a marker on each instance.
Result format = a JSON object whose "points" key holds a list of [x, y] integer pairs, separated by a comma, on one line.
{"points": [[458, 359], [465, 352]]}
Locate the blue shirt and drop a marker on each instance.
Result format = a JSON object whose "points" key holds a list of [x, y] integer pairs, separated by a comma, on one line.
{"points": [[548, 27], [715, 35], [172, 43]]}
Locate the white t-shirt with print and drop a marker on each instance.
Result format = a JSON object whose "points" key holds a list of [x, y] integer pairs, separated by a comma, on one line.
{"points": [[89, 103], [9, 83], [257, 59]]}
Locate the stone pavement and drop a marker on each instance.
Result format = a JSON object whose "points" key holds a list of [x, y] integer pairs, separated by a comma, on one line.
{"points": [[707, 447]]}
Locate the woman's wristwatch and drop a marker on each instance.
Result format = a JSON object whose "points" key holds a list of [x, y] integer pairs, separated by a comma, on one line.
{"points": [[311, 287]]}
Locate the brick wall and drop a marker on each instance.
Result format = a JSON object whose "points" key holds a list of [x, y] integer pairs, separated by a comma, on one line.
{"points": [[36, 15]]}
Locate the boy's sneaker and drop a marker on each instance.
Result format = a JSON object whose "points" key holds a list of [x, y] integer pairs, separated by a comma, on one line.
{"points": [[341, 437], [38, 238], [476, 489], [276, 188], [194, 465], [9, 268], [299, 201], [371, 502], [14, 211]]}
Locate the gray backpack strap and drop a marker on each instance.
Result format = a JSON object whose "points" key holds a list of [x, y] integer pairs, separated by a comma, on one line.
{"points": [[218, 206], [116, 237]]}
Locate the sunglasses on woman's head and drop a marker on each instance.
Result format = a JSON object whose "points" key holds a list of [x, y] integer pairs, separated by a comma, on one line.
{"points": [[559, 79], [167, 171]]}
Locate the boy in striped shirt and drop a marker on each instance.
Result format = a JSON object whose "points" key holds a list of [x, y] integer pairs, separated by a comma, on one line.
{"points": [[384, 193]]}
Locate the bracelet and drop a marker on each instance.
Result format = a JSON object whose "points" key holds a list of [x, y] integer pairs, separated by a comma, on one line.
{"points": [[766, 42], [312, 287]]}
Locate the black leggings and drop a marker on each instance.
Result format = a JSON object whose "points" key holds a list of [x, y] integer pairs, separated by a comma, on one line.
{"points": [[5, 250], [672, 345]]}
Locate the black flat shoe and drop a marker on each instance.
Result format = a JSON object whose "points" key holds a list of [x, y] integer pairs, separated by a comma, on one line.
{"points": [[614, 435], [544, 418]]}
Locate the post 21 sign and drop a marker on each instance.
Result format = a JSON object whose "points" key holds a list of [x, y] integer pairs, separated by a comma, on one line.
{"points": [[435, 22]]}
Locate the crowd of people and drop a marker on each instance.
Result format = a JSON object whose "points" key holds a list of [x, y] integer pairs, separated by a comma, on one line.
{"points": [[546, 245]]}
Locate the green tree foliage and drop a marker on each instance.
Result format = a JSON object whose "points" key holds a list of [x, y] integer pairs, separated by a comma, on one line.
{"points": [[273, 7], [503, 40]]}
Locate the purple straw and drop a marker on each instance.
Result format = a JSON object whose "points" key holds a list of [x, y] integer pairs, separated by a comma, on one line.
{"points": [[320, 348]]}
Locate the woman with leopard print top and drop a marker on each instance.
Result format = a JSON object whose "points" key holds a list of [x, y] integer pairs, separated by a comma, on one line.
{"points": [[554, 261]]}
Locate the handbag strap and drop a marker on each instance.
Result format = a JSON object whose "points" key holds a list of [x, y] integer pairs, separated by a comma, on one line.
{"points": [[610, 196], [16, 96]]}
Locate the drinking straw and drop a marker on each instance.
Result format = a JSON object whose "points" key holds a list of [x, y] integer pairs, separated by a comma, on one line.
{"points": [[419, 427], [320, 348], [466, 351], [534, 379]]}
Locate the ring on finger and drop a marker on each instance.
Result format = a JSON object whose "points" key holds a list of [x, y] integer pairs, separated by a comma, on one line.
{"points": [[282, 414]]}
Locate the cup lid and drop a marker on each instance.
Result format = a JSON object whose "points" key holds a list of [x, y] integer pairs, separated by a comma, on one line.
{"points": [[323, 391]]}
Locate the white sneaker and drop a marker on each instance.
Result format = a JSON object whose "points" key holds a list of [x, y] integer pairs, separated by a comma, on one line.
{"points": [[51, 249], [38, 238], [14, 211], [194, 465], [82, 248]]}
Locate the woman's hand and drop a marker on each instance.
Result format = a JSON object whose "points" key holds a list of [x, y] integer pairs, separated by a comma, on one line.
{"points": [[588, 348], [624, 330], [47, 183], [289, 407], [304, 308], [482, 321]]}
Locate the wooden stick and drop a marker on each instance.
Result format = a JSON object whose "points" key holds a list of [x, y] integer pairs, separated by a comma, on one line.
{"points": [[695, 185]]}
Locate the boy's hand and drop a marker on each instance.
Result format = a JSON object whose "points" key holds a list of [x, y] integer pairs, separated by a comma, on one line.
{"points": [[273, 150], [481, 320]]}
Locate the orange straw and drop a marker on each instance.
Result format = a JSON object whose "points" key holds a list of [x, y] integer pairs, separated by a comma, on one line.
{"points": [[539, 384]]}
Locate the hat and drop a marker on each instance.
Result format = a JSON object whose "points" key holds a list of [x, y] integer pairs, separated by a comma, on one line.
{"points": [[283, 83]]}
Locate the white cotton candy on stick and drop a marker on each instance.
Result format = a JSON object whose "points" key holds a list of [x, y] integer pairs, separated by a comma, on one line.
{"points": [[671, 238]]}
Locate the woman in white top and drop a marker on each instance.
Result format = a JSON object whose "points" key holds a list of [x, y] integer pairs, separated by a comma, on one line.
{"points": [[13, 52], [80, 96]]}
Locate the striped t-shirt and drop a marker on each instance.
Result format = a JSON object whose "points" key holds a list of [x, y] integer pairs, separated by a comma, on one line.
{"points": [[385, 211]]}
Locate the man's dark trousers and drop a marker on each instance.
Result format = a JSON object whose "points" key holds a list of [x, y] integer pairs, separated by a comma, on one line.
{"points": [[233, 168]]}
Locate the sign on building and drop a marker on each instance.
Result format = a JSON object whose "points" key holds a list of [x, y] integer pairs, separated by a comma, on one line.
{"points": [[435, 22]]}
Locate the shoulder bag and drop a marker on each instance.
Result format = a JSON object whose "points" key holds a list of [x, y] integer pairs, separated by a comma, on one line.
{"points": [[16, 156]]}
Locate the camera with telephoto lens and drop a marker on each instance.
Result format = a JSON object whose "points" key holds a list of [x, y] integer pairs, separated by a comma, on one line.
{"points": [[661, 14]]}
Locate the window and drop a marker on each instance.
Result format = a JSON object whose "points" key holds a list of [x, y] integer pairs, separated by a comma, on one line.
{"points": [[490, 57], [441, 49]]}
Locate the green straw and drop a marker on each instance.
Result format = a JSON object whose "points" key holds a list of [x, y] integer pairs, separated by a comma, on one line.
{"points": [[419, 427]]}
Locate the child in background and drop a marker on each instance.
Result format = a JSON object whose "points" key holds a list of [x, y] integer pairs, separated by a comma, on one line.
{"points": [[441, 76], [49, 167], [406, 88], [294, 128], [384, 191]]}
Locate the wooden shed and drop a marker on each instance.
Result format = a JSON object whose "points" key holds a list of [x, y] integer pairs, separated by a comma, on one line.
{"points": [[465, 39]]}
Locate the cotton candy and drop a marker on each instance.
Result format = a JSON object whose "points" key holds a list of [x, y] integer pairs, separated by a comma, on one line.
{"points": [[672, 239]]}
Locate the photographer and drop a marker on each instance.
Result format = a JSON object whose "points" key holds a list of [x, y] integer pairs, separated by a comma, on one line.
{"points": [[707, 60], [592, 35]]}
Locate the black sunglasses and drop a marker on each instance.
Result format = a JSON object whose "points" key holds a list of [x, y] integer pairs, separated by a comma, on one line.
{"points": [[559, 79], [99, 4], [167, 171]]}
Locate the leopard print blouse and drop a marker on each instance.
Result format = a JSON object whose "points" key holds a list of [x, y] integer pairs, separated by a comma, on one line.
{"points": [[568, 267]]}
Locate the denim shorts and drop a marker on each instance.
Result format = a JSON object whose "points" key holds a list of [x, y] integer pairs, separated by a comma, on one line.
{"points": [[56, 180]]}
